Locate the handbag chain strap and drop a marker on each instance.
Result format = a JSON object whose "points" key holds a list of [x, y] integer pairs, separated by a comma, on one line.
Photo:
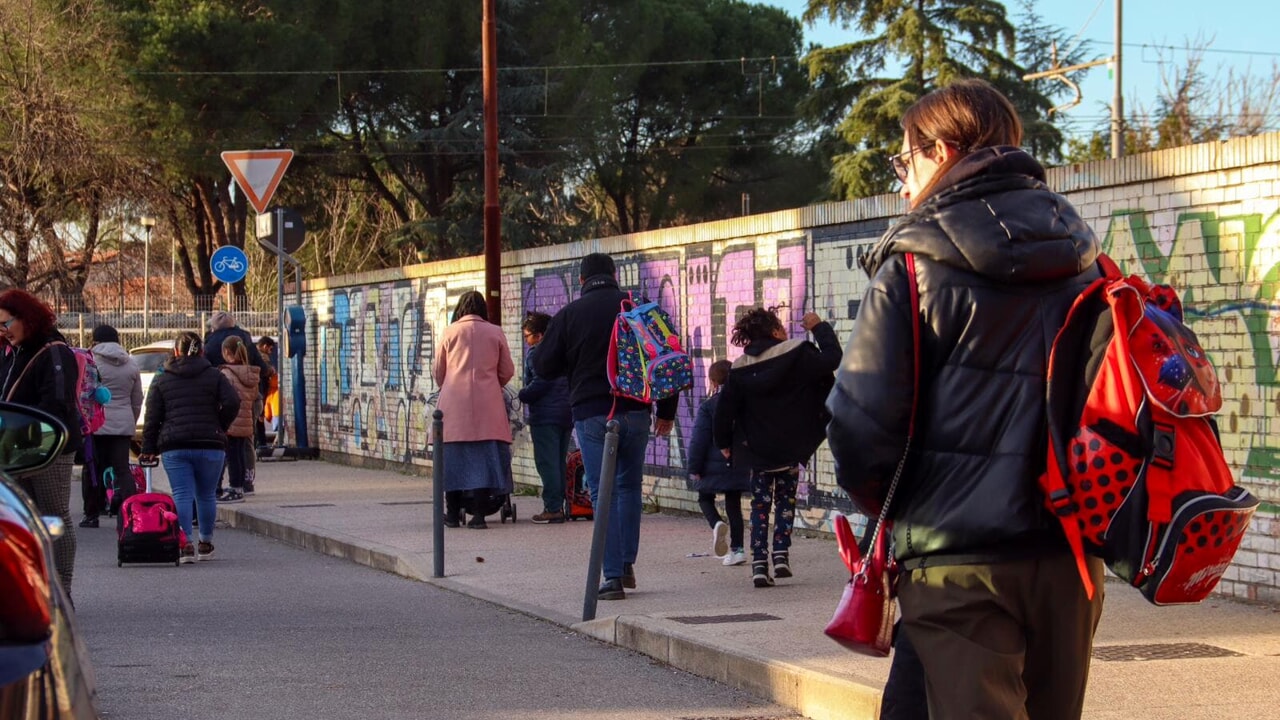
{"points": [[915, 401]]}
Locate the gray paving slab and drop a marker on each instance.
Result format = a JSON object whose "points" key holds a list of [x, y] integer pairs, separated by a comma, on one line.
{"points": [[383, 519]]}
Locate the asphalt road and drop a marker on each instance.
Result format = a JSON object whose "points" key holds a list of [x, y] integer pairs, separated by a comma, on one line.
{"points": [[264, 630]]}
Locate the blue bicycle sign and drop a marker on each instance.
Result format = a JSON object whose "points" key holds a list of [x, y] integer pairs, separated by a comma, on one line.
{"points": [[229, 264]]}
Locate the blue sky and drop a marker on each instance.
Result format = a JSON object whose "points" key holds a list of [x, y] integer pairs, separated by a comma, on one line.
{"points": [[1235, 27]]}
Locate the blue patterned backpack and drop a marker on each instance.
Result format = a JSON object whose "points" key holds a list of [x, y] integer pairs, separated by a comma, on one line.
{"points": [[646, 361]]}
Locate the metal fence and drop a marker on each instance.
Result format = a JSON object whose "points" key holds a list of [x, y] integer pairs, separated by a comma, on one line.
{"points": [[137, 328]]}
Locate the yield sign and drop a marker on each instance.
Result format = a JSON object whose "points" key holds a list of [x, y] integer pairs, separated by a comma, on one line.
{"points": [[257, 173]]}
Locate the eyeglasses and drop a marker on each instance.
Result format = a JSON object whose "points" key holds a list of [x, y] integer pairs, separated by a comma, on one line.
{"points": [[7, 323], [899, 162]]}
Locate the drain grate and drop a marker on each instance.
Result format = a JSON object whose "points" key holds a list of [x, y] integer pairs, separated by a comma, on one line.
{"points": [[408, 502], [1168, 651], [308, 506], [715, 619]]}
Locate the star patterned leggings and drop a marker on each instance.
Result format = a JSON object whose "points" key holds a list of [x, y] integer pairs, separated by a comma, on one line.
{"points": [[776, 489]]}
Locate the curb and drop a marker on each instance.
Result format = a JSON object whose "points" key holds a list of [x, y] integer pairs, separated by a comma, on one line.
{"points": [[815, 695]]}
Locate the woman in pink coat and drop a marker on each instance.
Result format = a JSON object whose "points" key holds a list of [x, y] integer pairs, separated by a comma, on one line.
{"points": [[473, 363]]}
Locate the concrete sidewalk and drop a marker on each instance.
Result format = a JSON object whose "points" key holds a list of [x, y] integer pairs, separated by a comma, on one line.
{"points": [[1217, 660]]}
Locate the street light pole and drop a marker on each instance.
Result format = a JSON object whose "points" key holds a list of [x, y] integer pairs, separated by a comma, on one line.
{"points": [[147, 223]]}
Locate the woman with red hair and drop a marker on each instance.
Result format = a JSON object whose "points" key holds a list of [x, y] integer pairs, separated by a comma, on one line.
{"points": [[39, 370]]}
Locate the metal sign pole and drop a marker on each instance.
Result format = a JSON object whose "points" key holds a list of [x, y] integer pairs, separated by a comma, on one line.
{"points": [[281, 351]]}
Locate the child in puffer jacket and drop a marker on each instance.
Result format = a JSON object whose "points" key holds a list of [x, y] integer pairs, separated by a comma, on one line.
{"points": [[240, 451]]}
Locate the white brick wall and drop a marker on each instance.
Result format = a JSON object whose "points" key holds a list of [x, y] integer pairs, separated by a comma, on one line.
{"points": [[1204, 218]]}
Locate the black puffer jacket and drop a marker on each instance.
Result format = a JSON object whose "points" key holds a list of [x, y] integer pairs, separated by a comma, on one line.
{"points": [[772, 403], [999, 260], [190, 405], [576, 344], [51, 383]]}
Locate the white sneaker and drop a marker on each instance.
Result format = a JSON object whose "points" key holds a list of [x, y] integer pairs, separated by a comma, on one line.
{"points": [[735, 557], [720, 540]]}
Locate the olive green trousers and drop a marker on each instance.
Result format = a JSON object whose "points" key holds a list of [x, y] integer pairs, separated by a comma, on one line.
{"points": [[1003, 641]]}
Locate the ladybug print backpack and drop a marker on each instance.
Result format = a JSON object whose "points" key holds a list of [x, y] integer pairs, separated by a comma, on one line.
{"points": [[1135, 472]]}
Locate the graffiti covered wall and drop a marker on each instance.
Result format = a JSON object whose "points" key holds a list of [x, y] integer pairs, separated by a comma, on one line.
{"points": [[1205, 219]]}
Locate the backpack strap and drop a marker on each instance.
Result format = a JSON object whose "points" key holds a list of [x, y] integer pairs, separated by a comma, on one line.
{"points": [[1109, 267], [913, 284], [1053, 481], [59, 392]]}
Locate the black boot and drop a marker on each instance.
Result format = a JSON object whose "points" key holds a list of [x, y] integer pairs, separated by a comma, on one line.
{"points": [[452, 509], [477, 522], [452, 518]]}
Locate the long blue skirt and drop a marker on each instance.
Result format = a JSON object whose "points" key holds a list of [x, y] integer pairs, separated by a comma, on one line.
{"points": [[478, 465]]}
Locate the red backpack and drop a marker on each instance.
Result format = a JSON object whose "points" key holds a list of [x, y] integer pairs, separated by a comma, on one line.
{"points": [[1135, 472]]}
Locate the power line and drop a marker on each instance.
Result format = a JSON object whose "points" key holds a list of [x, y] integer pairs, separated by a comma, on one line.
{"points": [[1183, 48], [509, 68]]}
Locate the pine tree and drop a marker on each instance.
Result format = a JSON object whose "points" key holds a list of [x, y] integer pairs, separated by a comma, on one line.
{"points": [[908, 48]]}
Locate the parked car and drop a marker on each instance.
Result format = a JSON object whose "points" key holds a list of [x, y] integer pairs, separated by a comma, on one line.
{"points": [[149, 358], [44, 666]]}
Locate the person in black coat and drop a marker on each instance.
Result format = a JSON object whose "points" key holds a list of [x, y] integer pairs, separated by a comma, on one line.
{"points": [[772, 419], [577, 346], [990, 594], [710, 472], [190, 405], [37, 369]]}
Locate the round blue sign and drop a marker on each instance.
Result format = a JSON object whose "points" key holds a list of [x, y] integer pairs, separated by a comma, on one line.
{"points": [[229, 264]]}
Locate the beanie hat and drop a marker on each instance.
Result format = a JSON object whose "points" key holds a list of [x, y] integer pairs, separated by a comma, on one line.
{"points": [[597, 264], [105, 334], [222, 320]]}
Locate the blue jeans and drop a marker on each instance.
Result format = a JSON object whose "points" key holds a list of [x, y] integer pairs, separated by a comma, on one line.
{"points": [[550, 452], [622, 537], [195, 474]]}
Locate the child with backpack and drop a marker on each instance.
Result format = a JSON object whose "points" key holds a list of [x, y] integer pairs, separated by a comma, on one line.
{"points": [[711, 473], [108, 444], [772, 418]]}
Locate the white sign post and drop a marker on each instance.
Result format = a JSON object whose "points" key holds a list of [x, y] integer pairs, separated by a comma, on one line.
{"points": [[258, 173]]}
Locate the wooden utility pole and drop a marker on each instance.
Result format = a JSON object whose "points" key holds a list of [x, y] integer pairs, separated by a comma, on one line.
{"points": [[492, 215]]}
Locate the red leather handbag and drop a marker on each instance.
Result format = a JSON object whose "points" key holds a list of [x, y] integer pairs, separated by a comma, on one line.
{"points": [[863, 621]]}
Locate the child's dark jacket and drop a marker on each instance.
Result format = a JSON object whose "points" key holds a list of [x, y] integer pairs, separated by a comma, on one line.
{"points": [[706, 460], [775, 399]]}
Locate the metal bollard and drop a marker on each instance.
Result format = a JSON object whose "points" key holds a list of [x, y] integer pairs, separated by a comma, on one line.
{"points": [[604, 501], [437, 491]]}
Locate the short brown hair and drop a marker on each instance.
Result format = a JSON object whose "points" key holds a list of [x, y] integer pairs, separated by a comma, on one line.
{"points": [[536, 322], [718, 373], [968, 115]]}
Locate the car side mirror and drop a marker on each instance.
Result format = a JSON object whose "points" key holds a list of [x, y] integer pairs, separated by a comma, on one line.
{"points": [[29, 438]]}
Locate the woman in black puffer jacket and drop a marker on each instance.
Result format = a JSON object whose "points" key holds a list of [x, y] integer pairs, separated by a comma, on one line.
{"points": [[991, 597], [37, 369], [190, 405]]}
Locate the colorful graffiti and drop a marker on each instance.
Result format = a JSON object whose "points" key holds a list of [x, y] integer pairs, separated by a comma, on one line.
{"points": [[376, 343], [1227, 266]]}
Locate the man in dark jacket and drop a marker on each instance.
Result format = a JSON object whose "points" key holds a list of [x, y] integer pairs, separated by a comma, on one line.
{"points": [[577, 345], [550, 423], [774, 404]]}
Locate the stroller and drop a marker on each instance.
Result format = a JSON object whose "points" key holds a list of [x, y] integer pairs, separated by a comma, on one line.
{"points": [[494, 501], [495, 504]]}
